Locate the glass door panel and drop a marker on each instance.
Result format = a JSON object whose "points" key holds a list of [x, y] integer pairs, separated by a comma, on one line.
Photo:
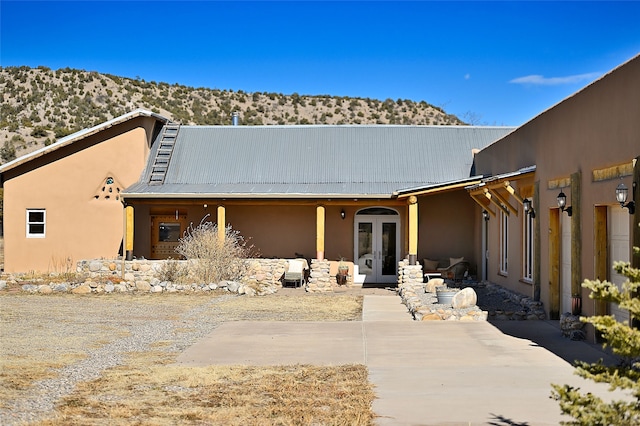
{"points": [[377, 242], [388, 255], [365, 248]]}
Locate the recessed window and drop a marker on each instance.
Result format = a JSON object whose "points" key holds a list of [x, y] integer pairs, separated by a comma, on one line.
{"points": [[527, 253], [504, 242], [36, 223]]}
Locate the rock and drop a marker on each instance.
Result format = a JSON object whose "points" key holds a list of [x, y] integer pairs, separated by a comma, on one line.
{"points": [[465, 298], [95, 266], [45, 289], [143, 286], [3, 284], [129, 277], [232, 286], [30, 288], [120, 288], [431, 317], [213, 286], [156, 289], [61, 288], [112, 266], [248, 291], [81, 289], [430, 286], [109, 288]]}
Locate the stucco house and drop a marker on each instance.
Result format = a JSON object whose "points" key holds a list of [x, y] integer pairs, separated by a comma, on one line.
{"points": [[369, 194], [565, 166], [62, 203]]}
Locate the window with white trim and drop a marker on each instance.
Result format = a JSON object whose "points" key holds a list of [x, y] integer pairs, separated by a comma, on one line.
{"points": [[527, 249], [504, 241], [36, 223]]}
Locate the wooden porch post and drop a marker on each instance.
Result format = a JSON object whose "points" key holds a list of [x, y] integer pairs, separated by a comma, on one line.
{"points": [[576, 243], [128, 244], [413, 230], [320, 232], [221, 223]]}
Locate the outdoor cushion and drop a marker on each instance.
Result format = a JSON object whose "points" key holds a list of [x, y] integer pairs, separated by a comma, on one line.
{"points": [[454, 260], [430, 265]]}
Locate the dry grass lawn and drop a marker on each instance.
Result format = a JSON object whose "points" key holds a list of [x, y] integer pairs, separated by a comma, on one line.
{"points": [[41, 334]]}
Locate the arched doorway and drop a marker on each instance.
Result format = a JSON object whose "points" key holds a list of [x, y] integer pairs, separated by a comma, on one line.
{"points": [[377, 244]]}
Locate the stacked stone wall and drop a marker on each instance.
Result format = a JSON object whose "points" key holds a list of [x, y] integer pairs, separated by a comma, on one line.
{"points": [[262, 276], [320, 280]]}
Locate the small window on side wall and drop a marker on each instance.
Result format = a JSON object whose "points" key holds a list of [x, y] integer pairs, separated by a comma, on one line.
{"points": [[36, 223]]}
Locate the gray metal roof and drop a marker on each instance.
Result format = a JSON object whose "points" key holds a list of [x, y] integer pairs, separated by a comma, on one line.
{"points": [[314, 161]]}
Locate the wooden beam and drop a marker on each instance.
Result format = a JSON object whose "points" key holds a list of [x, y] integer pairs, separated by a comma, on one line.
{"points": [[576, 236], [554, 263], [513, 192], [491, 198], [601, 254], [502, 200], [559, 183], [222, 223], [413, 230], [320, 217], [129, 232], [613, 172], [483, 205], [536, 246], [365, 202]]}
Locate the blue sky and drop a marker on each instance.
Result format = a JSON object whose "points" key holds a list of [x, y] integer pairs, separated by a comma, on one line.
{"points": [[494, 63]]}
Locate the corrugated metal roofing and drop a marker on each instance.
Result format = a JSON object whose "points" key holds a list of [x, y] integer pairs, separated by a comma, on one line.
{"points": [[299, 161]]}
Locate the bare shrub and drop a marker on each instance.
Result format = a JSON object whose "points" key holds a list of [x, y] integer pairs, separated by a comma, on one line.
{"points": [[172, 270], [214, 260]]}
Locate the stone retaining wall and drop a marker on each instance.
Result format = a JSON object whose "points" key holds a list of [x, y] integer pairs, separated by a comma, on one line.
{"points": [[107, 276], [262, 276]]}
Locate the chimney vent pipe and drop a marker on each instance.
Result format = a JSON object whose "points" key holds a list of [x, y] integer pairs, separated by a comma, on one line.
{"points": [[235, 116]]}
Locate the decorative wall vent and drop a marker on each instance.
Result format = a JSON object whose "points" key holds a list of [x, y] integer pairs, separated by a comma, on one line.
{"points": [[108, 190]]}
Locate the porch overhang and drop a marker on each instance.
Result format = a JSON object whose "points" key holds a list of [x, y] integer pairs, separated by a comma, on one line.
{"points": [[498, 190], [437, 187]]}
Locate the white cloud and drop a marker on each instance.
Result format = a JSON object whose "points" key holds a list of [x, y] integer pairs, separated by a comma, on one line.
{"points": [[541, 80]]}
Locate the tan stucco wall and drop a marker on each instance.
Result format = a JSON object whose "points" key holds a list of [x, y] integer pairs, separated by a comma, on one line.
{"points": [[596, 128], [448, 227], [64, 183], [276, 228]]}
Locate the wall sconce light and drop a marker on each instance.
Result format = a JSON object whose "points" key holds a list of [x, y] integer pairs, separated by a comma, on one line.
{"points": [[485, 215], [528, 208], [562, 203], [622, 192], [343, 214]]}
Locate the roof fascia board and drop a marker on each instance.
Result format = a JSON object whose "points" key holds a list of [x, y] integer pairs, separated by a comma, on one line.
{"points": [[438, 187], [203, 195], [68, 140]]}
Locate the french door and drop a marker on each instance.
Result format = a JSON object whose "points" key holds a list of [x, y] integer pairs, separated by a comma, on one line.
{"points": [[377, 244]]}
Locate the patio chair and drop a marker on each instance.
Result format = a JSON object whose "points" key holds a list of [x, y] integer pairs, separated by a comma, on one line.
{"points": [[294, 273]]}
